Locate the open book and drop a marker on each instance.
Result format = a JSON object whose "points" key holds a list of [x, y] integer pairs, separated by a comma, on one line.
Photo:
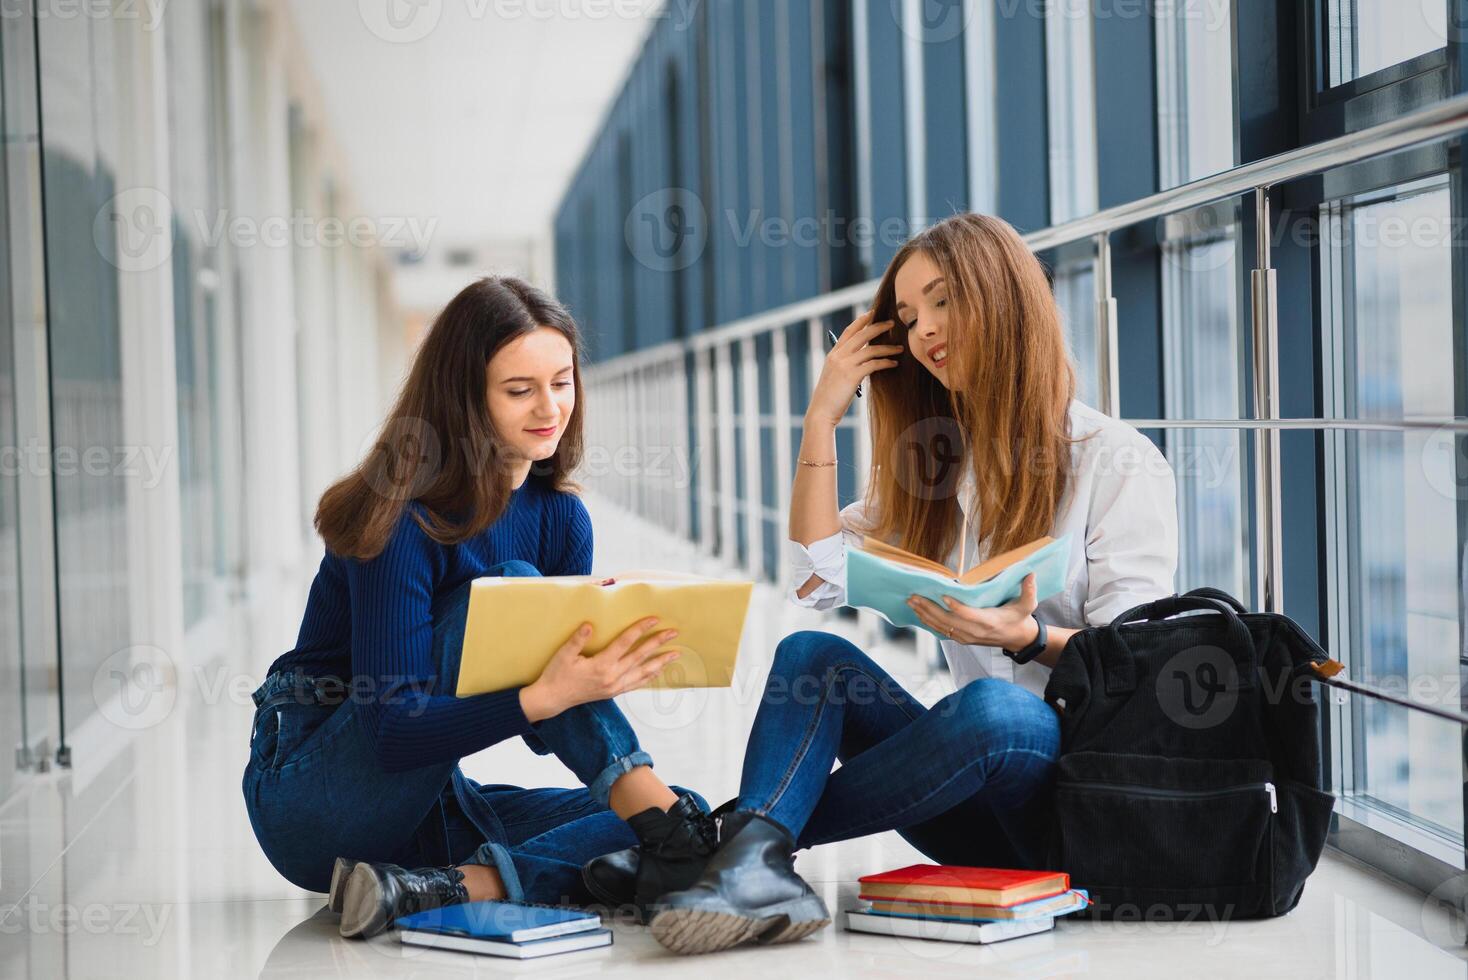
{"points": [[880, 577], [516, 623]]}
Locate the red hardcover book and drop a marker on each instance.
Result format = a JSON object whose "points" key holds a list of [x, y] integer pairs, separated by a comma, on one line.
{"points": [[960, 885]]}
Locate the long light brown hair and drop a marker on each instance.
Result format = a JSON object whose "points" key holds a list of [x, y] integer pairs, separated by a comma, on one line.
{"points": [[1010, 410], [438, 444]]}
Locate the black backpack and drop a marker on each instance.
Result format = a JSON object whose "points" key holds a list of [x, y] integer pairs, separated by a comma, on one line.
{"points": [[1189, 780]]}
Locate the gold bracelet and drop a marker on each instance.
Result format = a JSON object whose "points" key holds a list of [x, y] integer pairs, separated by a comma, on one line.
{"points": [[806, 462]]}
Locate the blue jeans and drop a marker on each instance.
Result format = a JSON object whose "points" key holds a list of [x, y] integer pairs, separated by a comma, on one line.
{"points": [[965, 782], [314, 790]]}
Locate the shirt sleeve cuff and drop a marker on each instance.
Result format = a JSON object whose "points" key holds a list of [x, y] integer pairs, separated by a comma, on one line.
{"points": [[826, 558]]}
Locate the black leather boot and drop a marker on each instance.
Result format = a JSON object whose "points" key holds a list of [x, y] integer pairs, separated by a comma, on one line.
{"points": [[376, 894], [675, 846], [749, 890], [339, 872]]}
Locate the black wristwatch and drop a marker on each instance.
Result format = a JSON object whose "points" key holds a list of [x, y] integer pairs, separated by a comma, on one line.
{"points": [[1034, 649]]}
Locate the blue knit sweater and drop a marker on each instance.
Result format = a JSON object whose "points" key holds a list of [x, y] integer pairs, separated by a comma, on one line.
{"points": [[372, 622]]}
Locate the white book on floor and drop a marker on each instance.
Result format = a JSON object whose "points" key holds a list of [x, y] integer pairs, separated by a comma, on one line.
{"points": [[519, 951], [945, 930]]}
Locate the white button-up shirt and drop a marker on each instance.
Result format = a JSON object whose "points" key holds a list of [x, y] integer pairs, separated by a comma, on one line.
{"points": [[1120, 509]]}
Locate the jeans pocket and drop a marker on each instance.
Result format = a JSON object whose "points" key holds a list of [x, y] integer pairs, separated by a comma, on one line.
{"points": [[281, 729], [264, 731]]}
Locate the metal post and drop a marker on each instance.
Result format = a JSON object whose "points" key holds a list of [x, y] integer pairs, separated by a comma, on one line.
{"points": [[1108, 374], [703, 423], [1269, 560], [681, 452], [816, 344], [863, 431], [780, 389], [754, 507], [728, 498]]}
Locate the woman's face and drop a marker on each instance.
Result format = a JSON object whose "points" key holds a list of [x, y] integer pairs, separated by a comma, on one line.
{"points": [[922, 312], [532, 392]]}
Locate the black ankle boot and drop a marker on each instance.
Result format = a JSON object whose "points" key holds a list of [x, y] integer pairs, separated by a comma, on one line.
{"points": [[376, 894], [674, 847], [339, 873], [749, 890]]}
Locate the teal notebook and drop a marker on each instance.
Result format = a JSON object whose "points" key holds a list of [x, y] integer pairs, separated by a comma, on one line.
{"points": [[883, 586]]}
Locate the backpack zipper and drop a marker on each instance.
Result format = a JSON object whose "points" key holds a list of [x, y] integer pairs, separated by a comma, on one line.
{"points": [[1267, 787]]}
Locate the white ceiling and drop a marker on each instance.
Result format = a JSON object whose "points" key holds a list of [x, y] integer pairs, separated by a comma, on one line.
{"points": [[479, 122]]}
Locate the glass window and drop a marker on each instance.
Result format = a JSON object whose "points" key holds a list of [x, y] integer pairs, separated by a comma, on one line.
{"points": [[1195, 105], [1071, 97], [1201, 351], [1369, 35], [1075, 292], [197, 344], [82, 94], [13, 727], [1200, 335], [1392, 497]]}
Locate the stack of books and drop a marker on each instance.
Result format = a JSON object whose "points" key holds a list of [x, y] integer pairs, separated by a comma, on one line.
{"points": [[966, 905], [511, 929]]}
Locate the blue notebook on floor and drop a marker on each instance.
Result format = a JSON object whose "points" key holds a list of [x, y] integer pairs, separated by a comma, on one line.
{"points": [[508, 929]]}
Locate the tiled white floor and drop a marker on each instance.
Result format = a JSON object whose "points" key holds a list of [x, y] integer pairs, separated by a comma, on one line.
{"points": [[140, 862]]}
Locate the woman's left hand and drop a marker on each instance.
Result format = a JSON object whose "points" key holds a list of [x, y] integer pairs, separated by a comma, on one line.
{"points": [[1009, 627]]}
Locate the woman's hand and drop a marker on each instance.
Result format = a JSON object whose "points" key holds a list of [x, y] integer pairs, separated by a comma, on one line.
{"points": [[1009, 627], [846, 364], [572, 678]]}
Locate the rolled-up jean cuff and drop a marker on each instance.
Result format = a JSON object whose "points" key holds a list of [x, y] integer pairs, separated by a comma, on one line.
{"points": [[601, 786], [497, 856]]}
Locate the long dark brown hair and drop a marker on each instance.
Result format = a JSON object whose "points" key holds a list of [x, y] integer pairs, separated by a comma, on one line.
{"points": [[1005, 338], [438, 444]]}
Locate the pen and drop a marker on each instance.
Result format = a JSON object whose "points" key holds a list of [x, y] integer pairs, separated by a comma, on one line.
{"points": [[833, 341]]}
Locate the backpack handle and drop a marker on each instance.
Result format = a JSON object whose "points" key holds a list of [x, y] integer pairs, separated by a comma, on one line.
{"points": [[1240, 640], [1222, 596]]}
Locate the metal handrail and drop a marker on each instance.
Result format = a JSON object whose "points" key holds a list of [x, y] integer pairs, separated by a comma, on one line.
{"points": [[1442, 119], [1446, 118]]}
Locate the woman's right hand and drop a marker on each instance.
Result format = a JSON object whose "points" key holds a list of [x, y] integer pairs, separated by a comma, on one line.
{"points": [[572, 678], [852, 359]]}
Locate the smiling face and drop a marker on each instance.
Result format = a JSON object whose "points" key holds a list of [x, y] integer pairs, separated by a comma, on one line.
{"points": [[922, 312], [532, 392]]}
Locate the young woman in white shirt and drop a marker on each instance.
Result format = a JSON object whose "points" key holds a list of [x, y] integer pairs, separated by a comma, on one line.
{"points": [[963, 340]]}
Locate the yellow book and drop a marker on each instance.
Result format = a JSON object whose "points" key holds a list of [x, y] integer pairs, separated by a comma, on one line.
{"points": [[516, 623]]}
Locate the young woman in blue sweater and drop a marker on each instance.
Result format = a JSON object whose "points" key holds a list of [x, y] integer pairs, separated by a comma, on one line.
{"points": [[353, 777]]}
